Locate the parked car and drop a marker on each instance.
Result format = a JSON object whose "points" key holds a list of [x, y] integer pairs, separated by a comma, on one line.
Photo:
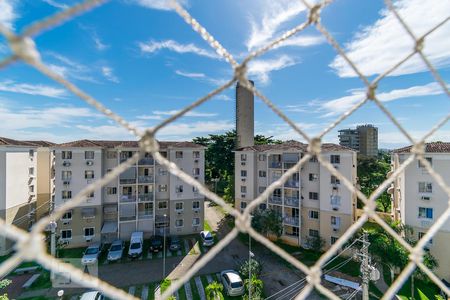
{"points": [[91, 254], [232, 283], [115, 251], [136, 243], [175, 243], [207, 238], [94, 295], [157, 243]]}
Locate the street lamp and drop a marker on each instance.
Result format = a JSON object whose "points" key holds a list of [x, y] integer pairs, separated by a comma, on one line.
{"points": [[164, 247], [215, 180], [60, 294]]}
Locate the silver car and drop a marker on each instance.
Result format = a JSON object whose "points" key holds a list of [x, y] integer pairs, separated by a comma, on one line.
{"points": [[91, 254], [115, 251], [232, 283], [207, 238]]}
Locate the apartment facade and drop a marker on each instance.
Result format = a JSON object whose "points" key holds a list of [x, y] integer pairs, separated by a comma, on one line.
{"points": [[418, 201], [145, 197], [312, 203], [363, 139], [24, 184]]}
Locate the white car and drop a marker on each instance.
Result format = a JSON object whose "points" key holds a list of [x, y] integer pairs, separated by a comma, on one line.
{"points": [[94, 295], [232, 283], [207, 238], [91, 254], [136, 244]]}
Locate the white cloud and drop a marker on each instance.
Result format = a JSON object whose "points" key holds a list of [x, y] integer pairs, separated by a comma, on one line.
{"points": [[223, 97], [7, 13], [303, 41], [397, 139], [201, 77], [56, 3], [190, 75], [380, 46], [32, 89], [99, 45], [154, 46], [149, 117], [159, 4], [340, 105], [109, 74], [261, 68], [189, 130], [70, 69], [191, 113]]}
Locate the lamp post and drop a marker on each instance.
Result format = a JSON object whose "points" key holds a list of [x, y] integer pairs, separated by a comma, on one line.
{"points": [[164, 248], [60, 294], [215, 180]]}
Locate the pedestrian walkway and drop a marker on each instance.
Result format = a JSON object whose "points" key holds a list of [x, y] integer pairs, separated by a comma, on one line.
{"points": [[187, 289], [201, 290], [144, 293]]}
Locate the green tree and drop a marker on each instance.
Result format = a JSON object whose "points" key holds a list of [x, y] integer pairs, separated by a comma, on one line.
{"points": [[3, 284], [250, 266], [214, 291], [315, 243], [256, 287], [267, 222]]}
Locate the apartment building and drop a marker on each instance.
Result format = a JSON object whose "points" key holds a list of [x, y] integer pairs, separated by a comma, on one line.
{"points": [[145, 197], [24, 184], [312, 203], [363, 139], [418, 201]]}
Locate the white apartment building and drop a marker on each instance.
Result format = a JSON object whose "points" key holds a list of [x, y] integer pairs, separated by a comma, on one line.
{"points": [[313, 203], [146, 197], [418, 201], [24, 184]]}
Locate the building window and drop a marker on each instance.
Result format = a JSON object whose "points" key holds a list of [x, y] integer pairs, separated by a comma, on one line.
{"points": [[313, 196], [111, 154], [421, 234], [31, 188], [262, 174], [89, 174], [243, 173], [162, 188], [313, 159], [425, 187], [67, 216], [162, 172], [194, 189], [196, 205], [179, 206], [313, 214], [91, 195], [162, 205], [89, 232], [425, 213], [196, 171], [313, 177], [335, 159], [111, 190], [66, 154], [89, 154], [262, 157], [263, 206], [335, 221], [313, 233], [179, 223], [333, 240], [148, 209], [178, 154], [243, 204], [243, 157], [31, 153], [66, 234], [335, 180], [243, 189], [66, 175], [295, 231], [429, 159], [179, 189], [31, 171], [261, 189], [195, 221], [66, 194], [196, 154]]}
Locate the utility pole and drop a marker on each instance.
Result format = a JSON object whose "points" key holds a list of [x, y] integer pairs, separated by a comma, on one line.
{"points": [[365, 269], [53, 243]]}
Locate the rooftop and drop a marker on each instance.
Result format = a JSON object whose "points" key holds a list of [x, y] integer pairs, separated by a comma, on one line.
{"points": [[434, 147], [10, 142], [125, 144], [295, 145]]}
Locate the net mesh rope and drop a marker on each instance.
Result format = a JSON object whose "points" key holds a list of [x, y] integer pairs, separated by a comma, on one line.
{"points": [[31, 245]]}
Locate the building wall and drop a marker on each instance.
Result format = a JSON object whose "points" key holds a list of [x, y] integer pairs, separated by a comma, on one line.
{"points": [[43, 181]]}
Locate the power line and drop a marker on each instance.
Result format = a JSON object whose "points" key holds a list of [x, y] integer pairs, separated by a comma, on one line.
{"points": [[28, 215]]}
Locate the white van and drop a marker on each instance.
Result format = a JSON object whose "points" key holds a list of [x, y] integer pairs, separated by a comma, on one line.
{"points": [[136, 244]]}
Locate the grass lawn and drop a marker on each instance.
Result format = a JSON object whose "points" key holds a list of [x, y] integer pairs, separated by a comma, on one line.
{"points": [[71, 252], [182, 293], [151, 291], [422, 290], [195, 294], [43, 282]]}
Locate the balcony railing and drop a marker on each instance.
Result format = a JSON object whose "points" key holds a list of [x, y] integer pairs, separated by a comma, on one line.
{"points": [[145, 179], [292, 201], [145, 197], [147, 161], [288, 165], [275, 200], [145, 215], [292, 183], [335, 202], [127, 180], [130, 218], [275, 164], [294, 221], [124, 159], [127, 198]]}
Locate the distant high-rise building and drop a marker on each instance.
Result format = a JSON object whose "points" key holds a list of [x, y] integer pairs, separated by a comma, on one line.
{"points": [[244, 116], [364, 139]]}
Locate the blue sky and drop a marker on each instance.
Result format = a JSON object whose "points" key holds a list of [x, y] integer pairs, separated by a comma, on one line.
{"points": [[144, 62]]}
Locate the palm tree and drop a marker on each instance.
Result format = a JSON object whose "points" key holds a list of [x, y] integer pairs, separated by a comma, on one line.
{"points": [[214, 291], [256, 288]]}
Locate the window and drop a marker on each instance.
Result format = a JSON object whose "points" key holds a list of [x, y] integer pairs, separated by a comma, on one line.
{"points": [[262, 174], [429, 159], [196, 171], [195, 221], [111, 190], [162, 205], [148, 209], [179, 189], [66, 154], [243, 205], [243, 157], [313, 159], [162, 172], [66, 234], [425, 187], [335, 221], [31, 153], [179, 223], [89, 232], [243, 173], [196, 205], [313, 196], [262, 157], [179, 206], [425, 213], [196, 154], [66, 194], [66, 175], [31, 171], [295, 231], [111, 154], [313, 233], [67, 216], [194, 189], [335, 159], [333, 240], [89, 174], [313, 214], [335, 180], [31, 188], [313, 177], [243, 189], [178, 154], [91, 195], [162, 188], [421, 234], [261, 189], [263, 206], [88, 154]]}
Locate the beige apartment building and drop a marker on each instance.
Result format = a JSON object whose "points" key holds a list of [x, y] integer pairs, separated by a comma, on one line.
{"points": [[25, 193], [312, 203], [418, 201], [146, 197], [363, 139]]}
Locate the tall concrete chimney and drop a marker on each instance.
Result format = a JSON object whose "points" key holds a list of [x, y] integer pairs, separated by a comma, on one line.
{"points": [[245, 116]]}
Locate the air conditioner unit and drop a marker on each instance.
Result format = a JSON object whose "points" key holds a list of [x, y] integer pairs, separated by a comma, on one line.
{"points": [[196, 210], [66, 164], [243, 196], [179, 212], [242, 163], [427, 198], [66, 222], [89, 163], [196, 177], [66, 182], [243, 179], [196, 160], [335, 229], [88, 239]]}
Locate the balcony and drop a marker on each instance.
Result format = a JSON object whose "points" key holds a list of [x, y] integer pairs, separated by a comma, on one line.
{"points": [[128, 181], [291, 201], [275, 200], [291, 183], [288, 165], [145, 215], [145, 179], [293, 221], [127, 198], [335, 202], [146, 161], [275, 164], [145, 197]]}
